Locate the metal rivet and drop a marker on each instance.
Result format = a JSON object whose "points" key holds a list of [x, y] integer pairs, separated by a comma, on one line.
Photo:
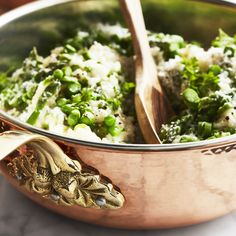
{"points": [[54, 197], [19, 177], [101, 201]]}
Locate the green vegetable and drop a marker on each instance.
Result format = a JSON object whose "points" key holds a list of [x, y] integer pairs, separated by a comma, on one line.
{"points": [[215, 69], [226, 106], [4, 79], [109, 121], [80, 126], [59, 83], [209, 92], [223, 40], [74, 87], [65, 57], [70, 49], [101, 131], [180, 125], [67, 70], [115, 130], [86, 55], [191, 69], [202, 92], [87, 120], [128, 87], [229, 51], [58, 74], [202, 82], [69, 79], [188, 138], [73, 118], [68, 108], [86, 94], [115, 103], [62, 101], [204, 129], [77, 98], [169, 44], [208, 106], [191, 98], [33, 118]]}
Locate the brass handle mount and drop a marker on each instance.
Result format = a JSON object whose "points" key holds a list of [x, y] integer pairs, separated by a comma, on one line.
{"points": [[42, 167]]}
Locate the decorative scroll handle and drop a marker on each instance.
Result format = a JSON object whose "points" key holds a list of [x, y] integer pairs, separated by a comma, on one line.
{"points": [[48, 171]]}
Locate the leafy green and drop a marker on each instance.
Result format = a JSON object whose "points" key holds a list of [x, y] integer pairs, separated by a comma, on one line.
{"points": [[183, 124], [205, 101], [201, 82], [169, 44], [223, 40], [191, 98], [209, 106]]}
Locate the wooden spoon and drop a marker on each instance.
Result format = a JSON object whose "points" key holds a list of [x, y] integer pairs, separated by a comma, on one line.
{"points": [[152, 107]]}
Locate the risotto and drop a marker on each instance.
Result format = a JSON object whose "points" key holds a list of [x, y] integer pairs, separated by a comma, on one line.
{"points": [[84, 88], [79, 90]]}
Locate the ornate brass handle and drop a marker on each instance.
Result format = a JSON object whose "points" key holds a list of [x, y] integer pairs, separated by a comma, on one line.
{"points": [[42, 167]]}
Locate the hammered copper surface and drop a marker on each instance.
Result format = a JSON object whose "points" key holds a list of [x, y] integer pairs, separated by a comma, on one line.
{"points": [[165, 189]]}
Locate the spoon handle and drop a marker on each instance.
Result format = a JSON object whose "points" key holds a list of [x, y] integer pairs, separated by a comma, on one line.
{"points": [[148, 91], [133, 13]]}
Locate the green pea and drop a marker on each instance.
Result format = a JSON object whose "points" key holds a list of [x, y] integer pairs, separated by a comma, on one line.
{"points": [[67, 108], [77, 98], [216, 69], [67, 70], [80, 126], [115, 130], [86, 94], [74, 87], [87, 120], [70, 48], [65, 57], [73, 118], [191, 98], [87, 69], [45, 126], [58, 74], [204, 129], [110, 121], [86, 55], [61, 102], [69, 79], [101, 131]]}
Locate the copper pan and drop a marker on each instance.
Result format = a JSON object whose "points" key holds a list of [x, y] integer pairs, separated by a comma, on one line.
{"points": [[123, 186]]}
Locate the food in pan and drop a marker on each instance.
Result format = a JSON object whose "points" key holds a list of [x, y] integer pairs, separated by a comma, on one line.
{"points": [[84, 88], [201, 84]]}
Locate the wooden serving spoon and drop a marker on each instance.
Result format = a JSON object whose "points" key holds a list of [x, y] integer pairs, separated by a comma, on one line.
{"points": [[152, 107]]}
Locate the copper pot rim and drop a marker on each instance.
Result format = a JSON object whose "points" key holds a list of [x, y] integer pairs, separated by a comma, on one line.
{"points": [[125, 147], [38, 5]]}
